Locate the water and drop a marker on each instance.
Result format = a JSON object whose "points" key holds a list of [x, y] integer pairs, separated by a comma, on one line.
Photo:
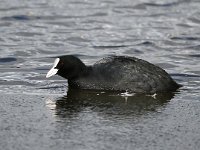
{"points": [[39, 113]]}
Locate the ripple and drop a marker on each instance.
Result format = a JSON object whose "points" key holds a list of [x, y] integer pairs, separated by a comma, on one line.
{"points": [[194, 47], [53, 87], [21, 17], [28, 34], [166, 65], [13, 8], [185, 38], [39, 17], [5, 24], [194, 55], [194, 20], [78, 39], [134, 51], [99, 14], [163, 5], [54, 45], [66, 24], [13, 83], [108, 46], [186, 75], [7, 60], [146, 43]]}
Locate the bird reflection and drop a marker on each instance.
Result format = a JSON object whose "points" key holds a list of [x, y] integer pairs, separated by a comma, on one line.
{"points": [[108, 103]]}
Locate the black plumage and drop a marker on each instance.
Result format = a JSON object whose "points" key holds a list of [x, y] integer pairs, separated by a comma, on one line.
{"points": [[119, 73]]}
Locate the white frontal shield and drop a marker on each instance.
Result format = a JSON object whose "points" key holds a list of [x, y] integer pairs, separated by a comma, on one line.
{"points": [[53, 70]]}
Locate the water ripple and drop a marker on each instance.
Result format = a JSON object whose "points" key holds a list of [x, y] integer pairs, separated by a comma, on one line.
{"points": [[7, 60]]}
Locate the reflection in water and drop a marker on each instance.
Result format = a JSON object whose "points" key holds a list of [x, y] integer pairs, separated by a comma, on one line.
{"points": [[108, 103]]}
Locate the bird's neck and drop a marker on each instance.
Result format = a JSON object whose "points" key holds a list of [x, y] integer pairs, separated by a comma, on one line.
{"points": [[84, 74], [86, 71]]}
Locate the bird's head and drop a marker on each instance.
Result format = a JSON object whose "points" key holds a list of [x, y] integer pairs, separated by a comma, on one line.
{"points": [[68, 66]]}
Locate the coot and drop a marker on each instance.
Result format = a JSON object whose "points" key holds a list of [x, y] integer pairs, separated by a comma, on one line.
{"points": [[118, 73]]}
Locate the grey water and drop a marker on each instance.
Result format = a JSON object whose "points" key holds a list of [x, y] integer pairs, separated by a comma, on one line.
{"points": [[43, 114]]}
